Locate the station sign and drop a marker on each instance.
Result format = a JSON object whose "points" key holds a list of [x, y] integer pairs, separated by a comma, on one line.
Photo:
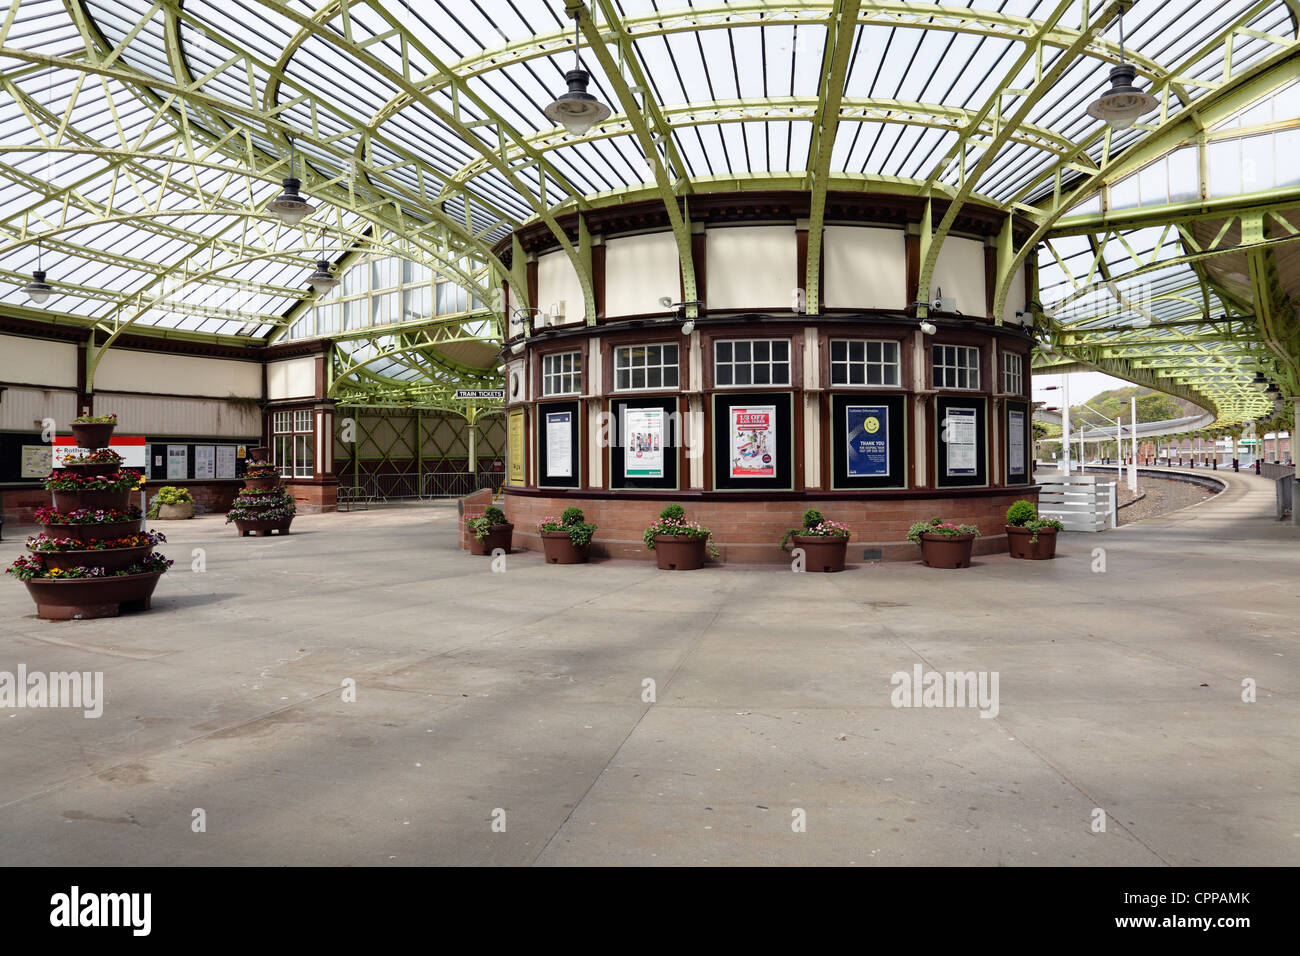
{"points": [[497, 393]]}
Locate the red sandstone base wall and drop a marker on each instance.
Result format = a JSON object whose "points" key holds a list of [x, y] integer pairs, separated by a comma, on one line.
{"points": [[750, 532]]}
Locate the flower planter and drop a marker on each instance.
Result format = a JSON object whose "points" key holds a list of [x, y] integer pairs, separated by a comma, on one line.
{"points": [[172, 512], [941, 551], [560, 549], [678, 552], [498, 536], [1040, 550], [93, 437], [261, 528], [260, 453], [94, 500], [821, 552], [270, 481], [78, 599], [92, 468], [110, 559], [91, 532]]}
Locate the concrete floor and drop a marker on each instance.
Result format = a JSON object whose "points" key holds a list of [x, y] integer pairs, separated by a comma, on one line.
{"points": [[522, 691]]}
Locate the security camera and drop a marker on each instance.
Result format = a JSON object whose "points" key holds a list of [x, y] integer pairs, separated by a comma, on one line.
{"points": [[666, 301]]}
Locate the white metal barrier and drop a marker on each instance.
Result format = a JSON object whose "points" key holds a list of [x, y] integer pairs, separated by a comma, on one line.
{"points": [[1080, 502]]}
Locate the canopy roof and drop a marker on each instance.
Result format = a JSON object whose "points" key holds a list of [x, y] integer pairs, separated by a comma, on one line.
{"points": [[144, 140]]}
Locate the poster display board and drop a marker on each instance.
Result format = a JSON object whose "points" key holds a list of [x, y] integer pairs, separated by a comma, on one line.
{"points": [[205, 462], [957, 432], [515, 446], [753, 435], [867, 440], [643, 443], [868, 434], [37, 460], [226, 461], [961, 441], [1019, 444], [558, 445], [178, 462]]}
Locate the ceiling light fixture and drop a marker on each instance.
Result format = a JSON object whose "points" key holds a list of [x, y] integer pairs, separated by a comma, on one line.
{"points": [[322, 280], [1123, 103], [38, 290], [290, 206], [1259, 382], [577, 110]]}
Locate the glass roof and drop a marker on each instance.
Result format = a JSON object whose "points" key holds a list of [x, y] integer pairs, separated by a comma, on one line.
{"points": [[144, 140]]}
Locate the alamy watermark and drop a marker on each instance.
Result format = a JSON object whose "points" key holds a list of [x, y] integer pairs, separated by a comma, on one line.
{"points": [[950, 689], [75, 689]]}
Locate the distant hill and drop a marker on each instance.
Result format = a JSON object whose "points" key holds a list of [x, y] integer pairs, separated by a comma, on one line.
{"points": [[1152, 406]]}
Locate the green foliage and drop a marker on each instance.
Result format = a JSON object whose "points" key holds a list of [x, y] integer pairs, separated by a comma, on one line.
{"points": [[812, 518], [494, 515], [169, 495], [672, 521], [1021, 513], [939, 526], [573, 522], [673, 513], [572, 515]]}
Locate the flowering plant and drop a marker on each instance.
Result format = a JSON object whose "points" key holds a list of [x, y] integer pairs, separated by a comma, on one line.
{"points": [[672, 521], [120, 480], [49, 515], [169, 495], [574, 522], [261, 469], [27, 569], [43, 542], [938, 526], [1023, 514], [101, 456], [814, 525], [479, 525], [110, 419], [261, 504]]}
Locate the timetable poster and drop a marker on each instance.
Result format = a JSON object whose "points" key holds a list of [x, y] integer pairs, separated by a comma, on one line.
{"points": [[205, 461], [178, 462], [226, 461], [959, 434], [559, 445], [1016, 442], [868, 447], [643, 455], [753, 441]]}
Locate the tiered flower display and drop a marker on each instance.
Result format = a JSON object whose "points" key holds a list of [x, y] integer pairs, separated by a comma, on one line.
{"points": [[91, 559], [264, 505]]}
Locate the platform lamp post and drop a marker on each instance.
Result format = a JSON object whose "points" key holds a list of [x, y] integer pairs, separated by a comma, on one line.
{"points": [[1133, 461]]}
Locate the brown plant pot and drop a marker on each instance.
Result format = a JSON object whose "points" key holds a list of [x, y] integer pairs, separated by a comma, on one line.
{"points": [[85, 598], [93, 532], [110, 559], [560, 549], [498, 536], [261, 528], [260, 453], [93, 437], [1040, 550], [173, 512], [939, 551], [271, 481], [93, 468], [822, 553], [72, 500], [677, 552]]}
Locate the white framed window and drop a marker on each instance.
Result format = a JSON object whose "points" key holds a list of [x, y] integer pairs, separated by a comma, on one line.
{"points": [[744, 362], [1013, 376], [562, 373], [292, 440], [956, 366], [858, 362], [645, 367]]}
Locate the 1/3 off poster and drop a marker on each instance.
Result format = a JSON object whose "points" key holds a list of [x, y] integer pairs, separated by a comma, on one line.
{"points": [[753, 441], [643, 453], [868, 430]]}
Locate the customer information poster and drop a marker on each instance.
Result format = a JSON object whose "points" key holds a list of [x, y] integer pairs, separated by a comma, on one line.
{"points": [[643, 453], [559, 444], [1016, 442], [868, 430], [753, 441], [959, 433]]}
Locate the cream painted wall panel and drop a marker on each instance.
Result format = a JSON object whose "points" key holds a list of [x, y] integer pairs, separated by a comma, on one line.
{"points": [[23, 409], [959, 272], [1016, 298], [291, 378], [866, 268], [37, 362], [557, 282], [127, 370], [751, 267], [639, 271], [154, 416]]}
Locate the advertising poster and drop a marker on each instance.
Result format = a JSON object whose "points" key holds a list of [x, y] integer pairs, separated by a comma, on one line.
{"points": [[1016, 442], [225, 461], [643, 454], [868, 447], [38, 460], [959, 434], [515, 446], [205, 461], [178, 460], [753, 441], [559, 445]]}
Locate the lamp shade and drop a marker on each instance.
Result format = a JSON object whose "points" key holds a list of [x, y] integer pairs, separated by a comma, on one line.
{"points": [[577, 110], [1123, 103], [322, 280], [290, 206], [38, 290]]}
